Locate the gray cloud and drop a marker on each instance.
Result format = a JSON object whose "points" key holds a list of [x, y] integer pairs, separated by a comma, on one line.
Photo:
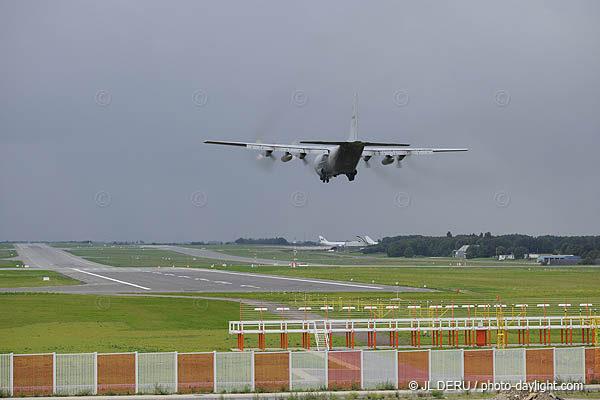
{"points": [[103, 97]]}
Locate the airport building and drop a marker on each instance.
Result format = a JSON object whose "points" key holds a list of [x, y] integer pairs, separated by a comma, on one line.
{"points": [[559, 259], [462, 252]]}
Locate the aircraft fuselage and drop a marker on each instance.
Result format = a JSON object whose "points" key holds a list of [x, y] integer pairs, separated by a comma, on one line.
{"points": [[342, 159]]}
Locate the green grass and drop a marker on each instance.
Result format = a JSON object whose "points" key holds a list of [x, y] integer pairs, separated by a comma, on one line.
{"points": [[136, 256], [515, 282], [6, 253], [361, 299], [509, 281], [27, 278], [85, 323], [36, 322], [133, 256], [347, 257], [10, 263]]}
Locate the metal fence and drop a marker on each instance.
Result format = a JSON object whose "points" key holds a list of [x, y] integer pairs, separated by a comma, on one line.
{"points": [[91, 373]]}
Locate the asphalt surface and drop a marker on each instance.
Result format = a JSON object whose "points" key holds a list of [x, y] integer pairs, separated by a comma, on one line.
{"points": [[103, 279], [217, 255], [224, 257]]}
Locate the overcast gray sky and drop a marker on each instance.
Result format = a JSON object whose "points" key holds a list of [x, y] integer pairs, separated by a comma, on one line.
{"points": [[104, 106]]}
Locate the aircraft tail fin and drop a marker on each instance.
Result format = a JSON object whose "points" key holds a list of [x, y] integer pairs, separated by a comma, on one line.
{"points": [[322, 239], [353, 137], [369, 240]]}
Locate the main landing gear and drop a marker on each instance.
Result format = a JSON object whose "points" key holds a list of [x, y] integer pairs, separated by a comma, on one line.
{"points": [[351, 175], [324, 178]]}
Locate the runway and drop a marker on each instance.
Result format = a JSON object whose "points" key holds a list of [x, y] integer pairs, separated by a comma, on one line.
{"points": [[103, 279], [216, 255]]}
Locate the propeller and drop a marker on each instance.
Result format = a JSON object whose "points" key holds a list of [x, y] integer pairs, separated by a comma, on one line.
{"points": [[265, 159]]}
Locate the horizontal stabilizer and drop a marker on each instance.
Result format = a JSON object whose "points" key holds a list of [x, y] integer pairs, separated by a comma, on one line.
{"points": [[226, 143]]}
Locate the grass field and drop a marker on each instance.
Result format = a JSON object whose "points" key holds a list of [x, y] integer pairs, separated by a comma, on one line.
{"points": [[535, 281], [8, 253], [10, 263], [26, 278], [82, 323], [531, 281], [37, 323], [7, 250], [349, 257], [133, 256]]}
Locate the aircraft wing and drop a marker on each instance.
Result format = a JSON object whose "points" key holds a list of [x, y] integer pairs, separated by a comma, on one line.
{"points": [[402, 151], [288, 148]]}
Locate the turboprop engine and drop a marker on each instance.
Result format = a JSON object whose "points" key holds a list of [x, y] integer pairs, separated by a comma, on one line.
{"points": [[387, 160]]}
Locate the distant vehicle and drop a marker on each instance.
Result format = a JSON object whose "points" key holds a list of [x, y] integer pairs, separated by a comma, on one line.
{"points": [[335, 158], [367, 241]]}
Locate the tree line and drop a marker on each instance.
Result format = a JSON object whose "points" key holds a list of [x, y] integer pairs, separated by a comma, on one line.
{"points": [[487, 245]]}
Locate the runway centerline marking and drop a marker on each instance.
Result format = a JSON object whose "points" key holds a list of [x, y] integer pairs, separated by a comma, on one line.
{"points": [[112, 279], [290, 279]]}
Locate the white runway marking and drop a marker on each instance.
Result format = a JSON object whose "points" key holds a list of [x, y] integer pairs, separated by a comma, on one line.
{"points": [[112, 279], [260, 276], [250, 286], [224, 283]]}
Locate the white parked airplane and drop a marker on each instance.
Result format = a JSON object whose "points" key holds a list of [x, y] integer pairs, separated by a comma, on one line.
{"points": [[339, 158], [367, 241]]}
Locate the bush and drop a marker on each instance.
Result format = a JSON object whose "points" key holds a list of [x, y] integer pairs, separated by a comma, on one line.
{"points": [[159, 389]]}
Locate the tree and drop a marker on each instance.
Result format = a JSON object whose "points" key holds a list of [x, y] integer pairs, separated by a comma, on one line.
{"points": [[520, 252], [409, 252], [500, 250], [396, 249], [472, 251], [448, 234]]}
